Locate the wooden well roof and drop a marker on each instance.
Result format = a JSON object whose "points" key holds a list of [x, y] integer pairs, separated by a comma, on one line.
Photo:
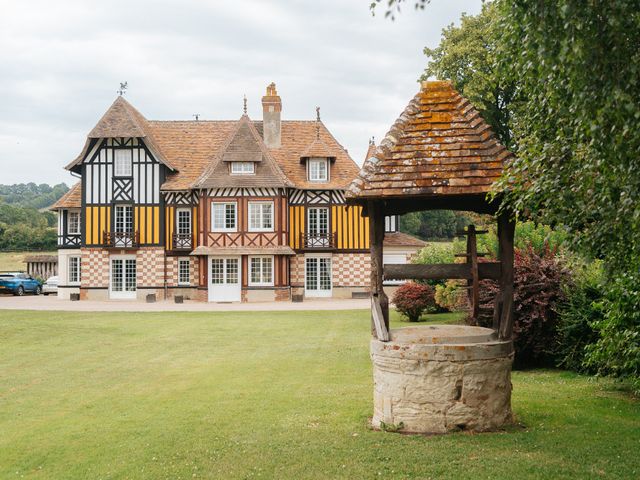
{"points": [[440, 147]]}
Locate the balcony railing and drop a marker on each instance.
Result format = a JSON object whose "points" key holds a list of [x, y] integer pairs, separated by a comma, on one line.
{"points": [[182, 241], [69, 240], [318, 240], [121, 239]]}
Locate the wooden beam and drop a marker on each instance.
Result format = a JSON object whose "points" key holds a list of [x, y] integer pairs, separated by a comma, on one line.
{"points": [[441, 271], [381, 330], [506, 233], [376, 239], [474, 282]]}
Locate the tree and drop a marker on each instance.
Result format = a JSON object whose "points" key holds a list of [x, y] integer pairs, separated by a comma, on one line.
{"points": [[467, 56]]}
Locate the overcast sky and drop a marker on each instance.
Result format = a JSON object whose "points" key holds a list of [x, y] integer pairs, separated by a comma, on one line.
{"points": [[61, 63]]}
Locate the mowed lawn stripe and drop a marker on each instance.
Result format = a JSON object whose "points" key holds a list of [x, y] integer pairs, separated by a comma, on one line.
{"points": [[265, 395]]}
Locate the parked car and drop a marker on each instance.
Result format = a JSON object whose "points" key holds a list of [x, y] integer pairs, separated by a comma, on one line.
{"points": [[50, 286], [19, 284]]}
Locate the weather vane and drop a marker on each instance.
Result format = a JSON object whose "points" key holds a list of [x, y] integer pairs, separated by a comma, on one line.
{"points": [[244, 101], [318, 123], [196, 116], [123, 88]]}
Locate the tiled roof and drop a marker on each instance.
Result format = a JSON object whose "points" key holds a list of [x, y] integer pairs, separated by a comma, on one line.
{"points": [[438, 146], [400, 239], [71, 199], [190, 147], [244, 144], [123, 120]]}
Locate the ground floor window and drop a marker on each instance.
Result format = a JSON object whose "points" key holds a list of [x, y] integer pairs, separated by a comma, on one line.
{"points": [[184, 277], [260, 270], [73, 272]]}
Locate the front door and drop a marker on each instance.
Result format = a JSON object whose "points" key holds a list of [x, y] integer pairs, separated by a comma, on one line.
{"points": [[224, 279], [122, 277], [317, 277]]}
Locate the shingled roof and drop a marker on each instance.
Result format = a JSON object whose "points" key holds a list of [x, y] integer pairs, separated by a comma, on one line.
{"points": [[71, 199], [439, 146], [243, 144], [190, 147], [122, 120]]}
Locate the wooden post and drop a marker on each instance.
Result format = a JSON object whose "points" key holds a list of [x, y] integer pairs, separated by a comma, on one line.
{"points": [[506, 232], [376, 238], [474, 282]]}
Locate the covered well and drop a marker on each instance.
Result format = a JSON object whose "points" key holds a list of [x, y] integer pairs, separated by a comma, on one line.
{"points": [[439, 154]]}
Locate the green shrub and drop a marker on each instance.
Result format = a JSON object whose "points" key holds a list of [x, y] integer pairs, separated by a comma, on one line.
{"points": [[451, 297], [413, 299], [617, 351], [538, 281], [576, 314]]}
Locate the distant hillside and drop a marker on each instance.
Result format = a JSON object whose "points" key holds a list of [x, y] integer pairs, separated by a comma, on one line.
{"points": [[22, 225], [31, 195]]}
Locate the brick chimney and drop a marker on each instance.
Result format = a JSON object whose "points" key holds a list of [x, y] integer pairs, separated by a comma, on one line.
{"points": [[271, 108]]}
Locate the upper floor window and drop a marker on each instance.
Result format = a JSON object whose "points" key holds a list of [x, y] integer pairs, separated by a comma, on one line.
{"points": [[318, 169], [243, 168], [124, 219], [224, 217], [122, 163], [73, 223], [183, 221], [391, 223], [260, 216]]}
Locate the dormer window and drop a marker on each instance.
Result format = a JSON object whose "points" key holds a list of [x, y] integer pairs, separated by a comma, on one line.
{"points": [[318, 169], [122, 163], [243, 168]]}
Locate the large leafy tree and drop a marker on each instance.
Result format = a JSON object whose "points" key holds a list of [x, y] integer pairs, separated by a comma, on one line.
{"points": [[467, 56]]}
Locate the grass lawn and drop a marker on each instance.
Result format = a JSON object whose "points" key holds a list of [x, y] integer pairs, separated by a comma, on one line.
{"points": [[14, 261], [265, 395]]}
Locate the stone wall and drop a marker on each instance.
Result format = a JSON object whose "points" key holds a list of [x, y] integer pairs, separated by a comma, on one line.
{"points": [[428, 380]]}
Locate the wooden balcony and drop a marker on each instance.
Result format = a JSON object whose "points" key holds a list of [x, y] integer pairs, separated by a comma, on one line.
{"points": [[182, 241], [318, 241], [69, 241], [121, 239]]}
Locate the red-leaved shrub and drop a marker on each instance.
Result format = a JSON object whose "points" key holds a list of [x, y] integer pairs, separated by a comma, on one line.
{"points": [[412, 299], [538, 280]]}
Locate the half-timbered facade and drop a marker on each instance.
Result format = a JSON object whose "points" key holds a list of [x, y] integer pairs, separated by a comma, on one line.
{"points": [[219, 211]]}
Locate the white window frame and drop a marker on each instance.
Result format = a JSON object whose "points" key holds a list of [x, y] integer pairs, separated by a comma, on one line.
{"points": [[239, 168], [260, 205], [311, 172], [224, 228], [69, 230], [262, 282], [182, 261], [122, 208], [122, 158], [77, 270], [178, 212]]}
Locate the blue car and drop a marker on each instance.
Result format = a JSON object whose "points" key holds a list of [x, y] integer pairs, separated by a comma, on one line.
{"points": [[19, 284]]}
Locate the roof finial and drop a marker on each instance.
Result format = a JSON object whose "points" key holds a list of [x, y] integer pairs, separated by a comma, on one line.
{"points": [[244, 101], [123, 88], [318, 123], [196, 116], [372, 141]]}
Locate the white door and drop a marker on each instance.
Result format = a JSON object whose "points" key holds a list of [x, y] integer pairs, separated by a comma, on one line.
{"points": [[224, 279], [122, 284], [317, 277]]}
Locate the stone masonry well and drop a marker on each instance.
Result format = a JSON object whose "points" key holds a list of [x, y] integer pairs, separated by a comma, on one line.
{"points": [[442, 378]]}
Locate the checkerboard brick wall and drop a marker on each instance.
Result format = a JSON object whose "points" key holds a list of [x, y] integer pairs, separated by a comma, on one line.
{"points": [[351, 270], [348, 270], [150, 267], [94, 268]]}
